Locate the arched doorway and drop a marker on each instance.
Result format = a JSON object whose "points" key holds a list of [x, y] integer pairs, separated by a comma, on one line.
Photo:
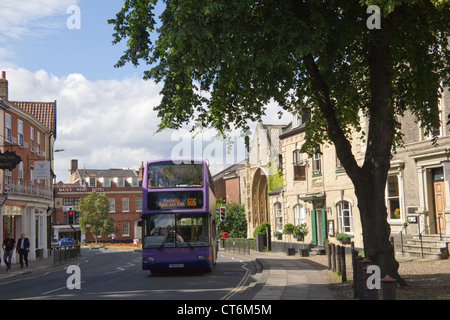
{"points": [[260, 212]]}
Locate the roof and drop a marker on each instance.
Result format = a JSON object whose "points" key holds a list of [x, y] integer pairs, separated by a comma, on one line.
{"points": [[229, 170], [111, 173], [44, 112]]}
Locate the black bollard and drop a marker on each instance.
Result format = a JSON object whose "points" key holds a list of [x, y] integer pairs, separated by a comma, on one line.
{"points": [[355, 274], [329, 256], [339, 262], [389, 288], [343, 265]]}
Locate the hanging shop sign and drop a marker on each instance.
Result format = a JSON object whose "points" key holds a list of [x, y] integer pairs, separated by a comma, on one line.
{"points": [[9, 160]]}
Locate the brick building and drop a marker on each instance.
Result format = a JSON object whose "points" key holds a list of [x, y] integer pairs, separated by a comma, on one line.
{"points": [[26, 195], [122, 188]]}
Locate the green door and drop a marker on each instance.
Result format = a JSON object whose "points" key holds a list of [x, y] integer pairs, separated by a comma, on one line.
{"points": [[314, 227], [323, 225]]}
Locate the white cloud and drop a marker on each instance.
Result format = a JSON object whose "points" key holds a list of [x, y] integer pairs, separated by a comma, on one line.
{"points": [[20, 18], [111, 123]]}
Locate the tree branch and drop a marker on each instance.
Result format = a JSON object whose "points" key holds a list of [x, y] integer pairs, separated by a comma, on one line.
{"points": [[336, 134]]}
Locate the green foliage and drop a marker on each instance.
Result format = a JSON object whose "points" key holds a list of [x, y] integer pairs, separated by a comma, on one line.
{"points": [[245, 53], [275, 179], [301, 230], [223, 61], [93, 211], [236, 222], [261, 229], [288, 229]]}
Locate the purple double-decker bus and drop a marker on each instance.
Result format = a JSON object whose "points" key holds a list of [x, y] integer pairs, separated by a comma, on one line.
{"points": [[178, 216]]}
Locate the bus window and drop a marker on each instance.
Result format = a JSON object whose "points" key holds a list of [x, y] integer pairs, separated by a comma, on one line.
{"points": [[175, 230], [170, 175]]}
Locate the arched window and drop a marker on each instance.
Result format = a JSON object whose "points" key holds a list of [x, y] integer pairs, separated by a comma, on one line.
{"points": [[345, 217], [299, 215]]}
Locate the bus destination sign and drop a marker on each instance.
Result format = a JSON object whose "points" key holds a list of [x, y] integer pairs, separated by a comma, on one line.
{"points": [[175, 200]]}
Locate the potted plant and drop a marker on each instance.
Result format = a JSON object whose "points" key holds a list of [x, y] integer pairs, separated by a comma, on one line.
{"points": [[344, 237], [300, 232], [304, 252], [277, 234], [289, 230]]}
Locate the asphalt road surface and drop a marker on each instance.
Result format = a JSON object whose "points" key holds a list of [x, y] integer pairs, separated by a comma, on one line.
{"points": [[117, 274]]}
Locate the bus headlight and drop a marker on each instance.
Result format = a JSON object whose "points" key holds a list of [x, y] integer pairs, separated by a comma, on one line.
{"points": [[204, 257], [148, 259]]}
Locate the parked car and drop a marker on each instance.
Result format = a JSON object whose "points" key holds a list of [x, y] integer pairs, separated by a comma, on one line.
{"points": [[67, 242], [54, 243]]}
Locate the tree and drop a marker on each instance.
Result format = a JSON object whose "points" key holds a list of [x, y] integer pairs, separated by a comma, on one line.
{"points": [[93, 211], [235, 223], [223, 61]]}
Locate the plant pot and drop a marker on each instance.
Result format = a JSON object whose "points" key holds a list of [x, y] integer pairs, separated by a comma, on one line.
{"points": [[345, 240], [304, 252], [290, 251]]}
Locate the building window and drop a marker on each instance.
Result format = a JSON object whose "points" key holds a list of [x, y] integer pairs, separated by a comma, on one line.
{"points": [[393, 198], [20, 173], [106, 182], [38, 149], [139, 204], [299, 215], [112, 204], [299, 167], [125, 229], [317, 163], [345, 218], [8, 177], [339, 166], [32, 139], [279, 216], [120, 182], [8, 127], [92, 182], [20, 133], [125, 205], [70, 202]]}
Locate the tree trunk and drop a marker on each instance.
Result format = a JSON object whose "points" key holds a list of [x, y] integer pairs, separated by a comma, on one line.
{"points": [[375, 227], [370, 179]]}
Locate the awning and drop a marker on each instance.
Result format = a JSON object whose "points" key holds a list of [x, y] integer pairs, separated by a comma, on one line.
{"points": [[66, 227], [313, 196]]}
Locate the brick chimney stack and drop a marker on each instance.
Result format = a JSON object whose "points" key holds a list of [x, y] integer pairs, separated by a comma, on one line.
{"points": [[3, 86]]}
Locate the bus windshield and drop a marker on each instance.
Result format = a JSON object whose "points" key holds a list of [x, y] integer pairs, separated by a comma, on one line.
{"points": [[175, 230], [171, 175]]}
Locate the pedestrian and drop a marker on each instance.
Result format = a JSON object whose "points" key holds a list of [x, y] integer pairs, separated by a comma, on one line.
{"points": [[23, 246], [9, 244]]}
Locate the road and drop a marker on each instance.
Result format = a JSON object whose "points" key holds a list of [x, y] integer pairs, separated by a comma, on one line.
{"points": [[117, 274]]}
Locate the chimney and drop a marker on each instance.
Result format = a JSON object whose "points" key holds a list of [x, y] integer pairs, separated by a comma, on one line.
{"points": [[141, 172], [3, 87], [73, 166]]}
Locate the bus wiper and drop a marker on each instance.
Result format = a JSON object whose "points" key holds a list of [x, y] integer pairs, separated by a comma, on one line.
{"points": [[162, 244], [190, 245]]}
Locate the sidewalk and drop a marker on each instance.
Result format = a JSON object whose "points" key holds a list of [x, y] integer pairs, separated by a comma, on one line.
{"points": [[286, 277], [33, 266]]}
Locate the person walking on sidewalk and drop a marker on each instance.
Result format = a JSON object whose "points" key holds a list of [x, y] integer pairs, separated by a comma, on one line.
{"points": [[23, 246], [9, 244]]}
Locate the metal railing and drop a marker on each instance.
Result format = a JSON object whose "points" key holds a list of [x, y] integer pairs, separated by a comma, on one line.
{"points": [[438, 220], [65, 253], [20, 187], [238, 245]]}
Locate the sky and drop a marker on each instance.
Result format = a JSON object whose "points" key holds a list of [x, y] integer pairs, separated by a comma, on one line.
{"points": [[62, 50]]}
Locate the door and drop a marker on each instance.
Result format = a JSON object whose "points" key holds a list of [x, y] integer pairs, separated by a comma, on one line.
{"points": [[313, 227], [318, 227], [439, 206]]}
